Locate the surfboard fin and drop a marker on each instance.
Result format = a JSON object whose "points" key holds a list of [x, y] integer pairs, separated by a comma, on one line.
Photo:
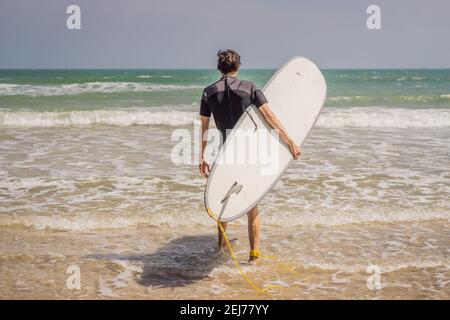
{"points": [[235, 188]]}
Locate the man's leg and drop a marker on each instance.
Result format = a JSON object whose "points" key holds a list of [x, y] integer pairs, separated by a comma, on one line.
{"points": [[221, 240], [254, 227]]}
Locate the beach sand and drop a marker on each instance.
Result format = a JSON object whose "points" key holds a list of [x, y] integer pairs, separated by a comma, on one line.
{"points": [[182, 263]]}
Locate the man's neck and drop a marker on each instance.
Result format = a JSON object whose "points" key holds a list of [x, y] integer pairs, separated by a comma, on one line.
{"points": [[232, 75]]}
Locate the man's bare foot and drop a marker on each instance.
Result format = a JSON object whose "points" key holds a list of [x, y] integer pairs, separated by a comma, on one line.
{"points": [[233, 242]]}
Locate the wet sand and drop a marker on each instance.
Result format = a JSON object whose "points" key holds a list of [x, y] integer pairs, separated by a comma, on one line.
{"points": [[167, 263]]}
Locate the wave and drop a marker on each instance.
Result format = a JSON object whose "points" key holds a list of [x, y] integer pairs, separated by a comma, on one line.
{"points": [[7, 89], [387, 99], [358, 117], [198, 218], [114, 117], [384, 269], [384, 118]]}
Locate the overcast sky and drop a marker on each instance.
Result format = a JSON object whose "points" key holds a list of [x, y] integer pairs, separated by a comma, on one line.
{"points": [[188, 33]]}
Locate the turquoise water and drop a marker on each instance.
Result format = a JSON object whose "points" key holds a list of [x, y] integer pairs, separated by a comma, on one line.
{"points": [[63, 90]]}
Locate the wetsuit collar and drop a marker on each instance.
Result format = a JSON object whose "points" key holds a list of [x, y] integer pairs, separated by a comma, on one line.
{"points": [[228, 80]]}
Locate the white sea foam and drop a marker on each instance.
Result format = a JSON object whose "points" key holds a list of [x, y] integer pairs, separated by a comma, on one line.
{"points": [[330, 117], [336, 217], [398, 99], [386, 268], [102, 221], [98, 222], [384, 117], [7, 89], [115, 117]]}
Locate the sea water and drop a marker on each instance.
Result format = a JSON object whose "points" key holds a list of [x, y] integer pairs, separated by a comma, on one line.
{"points": [[86, 179]]}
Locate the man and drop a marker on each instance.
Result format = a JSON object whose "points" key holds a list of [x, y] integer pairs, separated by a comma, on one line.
{"points": [[226, 100]]}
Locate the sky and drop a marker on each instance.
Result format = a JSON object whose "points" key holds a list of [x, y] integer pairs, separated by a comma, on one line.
{"points": [[184, 34]]}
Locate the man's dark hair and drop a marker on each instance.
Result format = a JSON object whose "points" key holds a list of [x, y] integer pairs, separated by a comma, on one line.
{"points": [[228, 61]]}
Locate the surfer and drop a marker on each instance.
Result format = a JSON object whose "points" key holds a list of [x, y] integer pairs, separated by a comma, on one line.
{"points": [[227, 99]]}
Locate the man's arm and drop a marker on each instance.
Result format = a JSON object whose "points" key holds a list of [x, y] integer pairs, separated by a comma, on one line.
{"points": [[203, 165], [276, 124]]}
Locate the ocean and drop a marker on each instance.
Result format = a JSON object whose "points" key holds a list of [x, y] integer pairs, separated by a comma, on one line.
{"points": [[86, 179]]}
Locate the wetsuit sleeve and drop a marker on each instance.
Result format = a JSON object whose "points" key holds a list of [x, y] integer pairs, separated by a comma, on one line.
{"points": [[204, 108], [258, 97]]}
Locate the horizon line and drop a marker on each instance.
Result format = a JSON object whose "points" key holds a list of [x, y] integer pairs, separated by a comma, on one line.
{"points": [[213, 69]]}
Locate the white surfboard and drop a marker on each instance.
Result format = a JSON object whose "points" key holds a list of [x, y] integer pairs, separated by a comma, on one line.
{"points": [[253, 158]]}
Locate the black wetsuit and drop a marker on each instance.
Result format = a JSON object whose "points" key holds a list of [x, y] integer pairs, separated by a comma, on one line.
{"points": [[227, 99]]}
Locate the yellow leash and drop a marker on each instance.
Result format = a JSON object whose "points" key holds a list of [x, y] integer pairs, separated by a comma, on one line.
{"points": [[236, 262]]}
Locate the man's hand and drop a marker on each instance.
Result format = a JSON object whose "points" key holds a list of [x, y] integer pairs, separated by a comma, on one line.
{"points": [[295, 149], [204, 168]]}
